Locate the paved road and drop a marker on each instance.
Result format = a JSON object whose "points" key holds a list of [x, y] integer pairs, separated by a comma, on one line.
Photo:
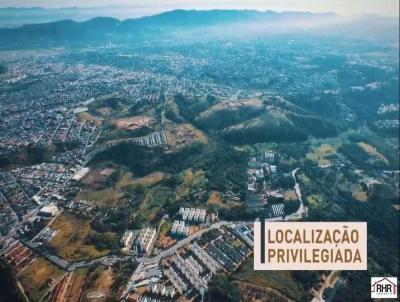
{"points": [[53, 258], [335, 284], [107, 260], [302, 209]]}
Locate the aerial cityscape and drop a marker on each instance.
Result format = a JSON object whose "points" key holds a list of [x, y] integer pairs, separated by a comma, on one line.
{"points": [[136, 154]]}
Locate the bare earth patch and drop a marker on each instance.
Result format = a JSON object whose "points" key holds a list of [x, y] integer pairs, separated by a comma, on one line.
{"points": [[373, 152], [38, 277], [181, 135], [360, 195], [87, 117], [290, 195], [134, 122], [100, 287]]}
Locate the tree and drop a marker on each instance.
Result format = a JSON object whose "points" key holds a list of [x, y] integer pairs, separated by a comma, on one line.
{"points": [[291, 206], [222, 289], [8, 287]]}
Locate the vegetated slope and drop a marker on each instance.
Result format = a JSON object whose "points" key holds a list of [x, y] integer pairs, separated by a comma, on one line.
{"points": [[8, 287], [252, 120], [273, 125], [224, 166], [224, 114]]}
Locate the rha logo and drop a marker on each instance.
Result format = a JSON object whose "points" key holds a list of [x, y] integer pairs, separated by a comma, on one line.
{"points": [[383, 287]]}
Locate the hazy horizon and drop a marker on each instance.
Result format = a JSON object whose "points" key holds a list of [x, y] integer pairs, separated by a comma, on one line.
{"points": [[126, 8]]}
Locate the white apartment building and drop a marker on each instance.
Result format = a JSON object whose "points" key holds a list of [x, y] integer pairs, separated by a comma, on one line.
{"points": [[146, 239], [179, 228], [192, 214]]}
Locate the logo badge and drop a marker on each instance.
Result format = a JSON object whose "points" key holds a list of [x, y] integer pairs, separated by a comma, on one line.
{"points": [[383, 287]]}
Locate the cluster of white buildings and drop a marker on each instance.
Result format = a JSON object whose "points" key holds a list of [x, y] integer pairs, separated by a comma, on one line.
{"points": [[164, 290], [127, 239], [186, 274], [192, 214], [191, 269], [47, 234], [179, 228], [146, 239]]}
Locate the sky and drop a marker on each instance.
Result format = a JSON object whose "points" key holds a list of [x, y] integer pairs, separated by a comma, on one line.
{"points": [[342, 7]]}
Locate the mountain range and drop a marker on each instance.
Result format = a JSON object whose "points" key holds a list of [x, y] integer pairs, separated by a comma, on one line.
{"points": [[106, 29]]}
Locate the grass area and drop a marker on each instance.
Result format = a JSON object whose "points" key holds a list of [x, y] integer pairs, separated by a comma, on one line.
{"points": [[148, 180], [36, 279], [164, 231], [355, 188], [373, 152], [109, 197], [165, 227], [320, 153], [303, 178], [215, 199], [69, 241], [99, 285], [114, 194], [278, 280], [191, 179], [232, 106], [360, 195], [315, 199], [386, 147], [154, 200]]}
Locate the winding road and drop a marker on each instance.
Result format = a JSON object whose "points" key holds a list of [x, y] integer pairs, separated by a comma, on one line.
{"points": [[302, 209]]}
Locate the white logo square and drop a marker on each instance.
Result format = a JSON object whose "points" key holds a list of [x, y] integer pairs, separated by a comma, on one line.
{"points": [[384, 287]]}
